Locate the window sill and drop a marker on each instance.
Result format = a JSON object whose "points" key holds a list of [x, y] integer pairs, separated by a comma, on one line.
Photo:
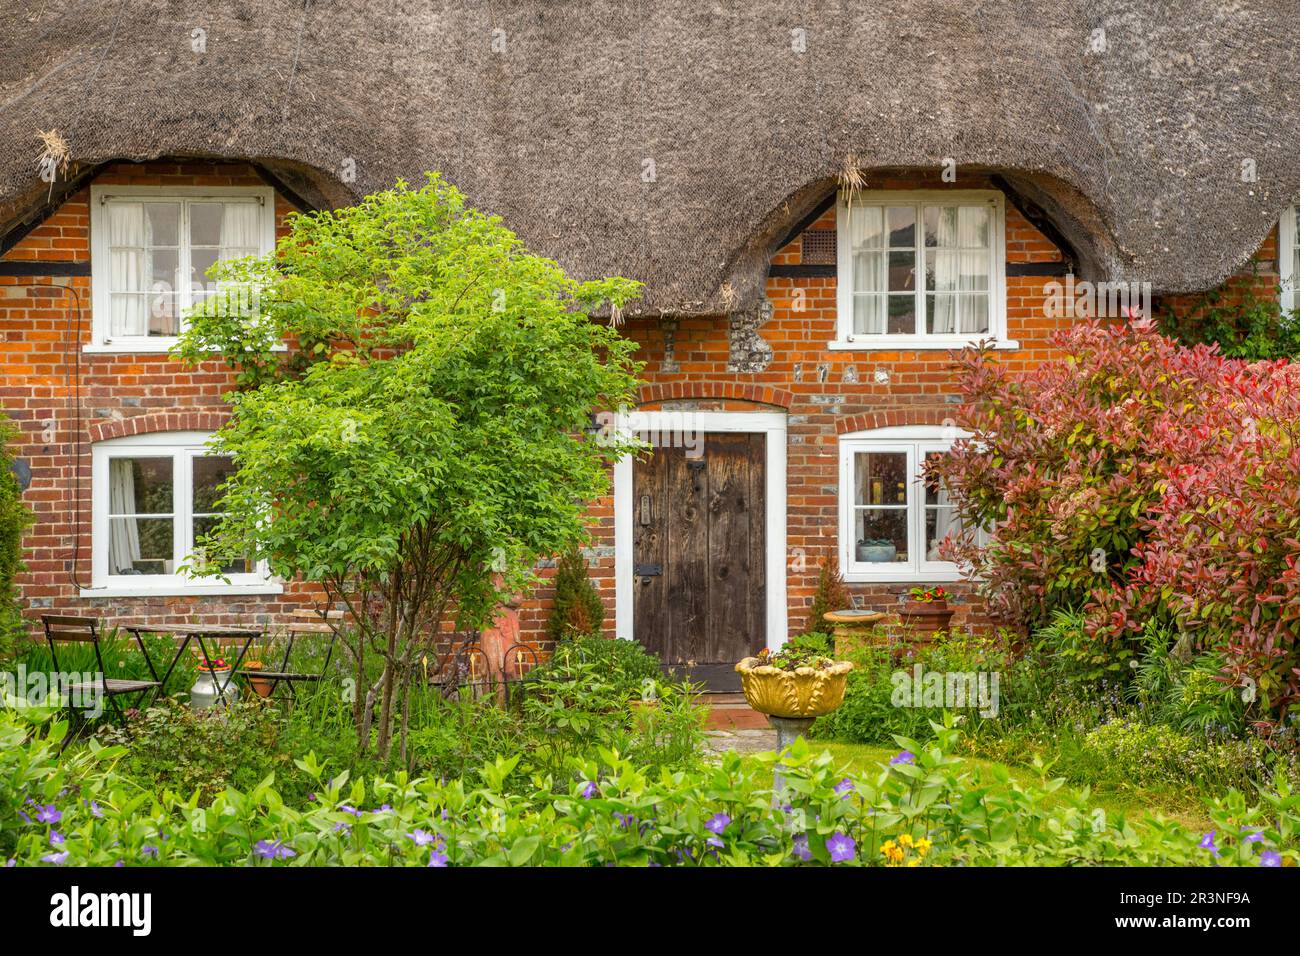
{"points": [[144, 348], [913, 343], [172, 590], [903, 577]]}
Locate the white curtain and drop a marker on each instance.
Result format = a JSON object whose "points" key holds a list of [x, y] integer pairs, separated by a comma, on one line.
{"points": [[124, 534], [960, 265], [240, 229], [126, 240], [870, 269], [240, 232]]}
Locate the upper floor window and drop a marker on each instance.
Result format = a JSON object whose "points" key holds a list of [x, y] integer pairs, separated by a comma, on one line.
{"points": [[151, 249], [892, 518], [155, 497], [921, 269], [1288, 257]]}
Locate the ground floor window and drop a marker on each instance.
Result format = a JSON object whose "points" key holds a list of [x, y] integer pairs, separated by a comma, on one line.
{"points": [[892, 519], [156, 497]]}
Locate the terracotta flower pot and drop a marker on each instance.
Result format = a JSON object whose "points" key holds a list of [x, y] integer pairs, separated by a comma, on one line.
{"points": [[258, 685], [922, 620], [804, 692]]}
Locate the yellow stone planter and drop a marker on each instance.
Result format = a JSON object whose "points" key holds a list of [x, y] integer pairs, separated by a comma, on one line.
{"points": [[804, 692]]}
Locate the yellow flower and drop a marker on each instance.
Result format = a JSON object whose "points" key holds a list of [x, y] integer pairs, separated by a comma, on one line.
{"points": [[914, 862], [905, 839], [923, 846]]}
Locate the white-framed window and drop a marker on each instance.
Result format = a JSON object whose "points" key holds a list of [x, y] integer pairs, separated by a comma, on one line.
{"points": [[1288, 257], [892, 520], [150, 251], [154, 496], [920, 269]]}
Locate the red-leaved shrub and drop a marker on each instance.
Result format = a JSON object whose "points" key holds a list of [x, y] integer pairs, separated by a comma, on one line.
{"points": [[1140, 480]]}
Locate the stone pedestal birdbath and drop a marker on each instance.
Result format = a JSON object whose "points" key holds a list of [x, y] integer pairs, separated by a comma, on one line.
{"points": [[793, 689], [853, 630]]}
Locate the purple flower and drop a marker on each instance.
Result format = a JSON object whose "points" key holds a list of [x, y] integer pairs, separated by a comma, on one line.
{"points": [[420, 837], [148, 850], [437, 857], [1207, 843], [1253, 838], [343, 828], [800, 850], [715, 841], [26, 818], [717, 823], [55, 858], [94, 809], [384, 808], [48, 814], [55, 838], [904, 756], [272, 851], [346, 808], [588, 790], [118, 865], [625, 820], [841, 847], [844, 788], [1270, 858], [11, 862]]}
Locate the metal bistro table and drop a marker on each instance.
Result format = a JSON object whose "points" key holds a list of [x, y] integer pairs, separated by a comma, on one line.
{"points": [[201, 633]]}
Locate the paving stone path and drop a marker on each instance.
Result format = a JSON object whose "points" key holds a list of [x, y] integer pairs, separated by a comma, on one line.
{"points": [[741, 741]]}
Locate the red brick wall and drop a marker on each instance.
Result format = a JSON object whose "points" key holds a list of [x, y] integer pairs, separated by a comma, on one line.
{"points": [[807, 380], [120, 393]]}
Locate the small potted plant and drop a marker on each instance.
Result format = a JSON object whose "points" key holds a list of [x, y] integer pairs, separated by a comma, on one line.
{"points": [[796, 682], [926, 613], [212, 682], [260, 686]]}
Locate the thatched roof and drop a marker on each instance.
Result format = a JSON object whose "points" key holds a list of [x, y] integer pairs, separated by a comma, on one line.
{"points": [[1133, 144]]}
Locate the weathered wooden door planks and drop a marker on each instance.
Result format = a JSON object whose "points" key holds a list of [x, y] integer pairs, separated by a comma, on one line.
{"points": [[699, 535]]}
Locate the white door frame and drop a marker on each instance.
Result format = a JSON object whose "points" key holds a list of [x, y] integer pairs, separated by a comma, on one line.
{"points": [[773, 426]]}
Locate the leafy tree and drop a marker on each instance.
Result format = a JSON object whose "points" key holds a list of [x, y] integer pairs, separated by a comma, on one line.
{"points": [[430, 440], [578, 610]]}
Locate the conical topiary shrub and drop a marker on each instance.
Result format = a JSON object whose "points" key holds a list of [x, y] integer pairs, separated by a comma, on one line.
{"points": [[578, 609]]}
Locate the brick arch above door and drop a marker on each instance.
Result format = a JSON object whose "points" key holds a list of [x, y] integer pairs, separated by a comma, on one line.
{"points": [[678, 391], [189, 421], [891, 417]]}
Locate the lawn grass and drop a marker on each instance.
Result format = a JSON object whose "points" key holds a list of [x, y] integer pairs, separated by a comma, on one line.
{"points": [[1132, 805]]}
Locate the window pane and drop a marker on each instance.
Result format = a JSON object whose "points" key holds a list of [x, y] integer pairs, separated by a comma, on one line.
{"points": [[902, 270], [880, 535], [164, 223], [204, 526], [868, 315], [201, 260], [129, 313], [880, 478], [205, 223], [973, 227], [940, 225], [902, 314], [866, 227], [975, 313], [902, 226], [939, 524], [164, 312], [140, 546], [140, 486], [209, 473], [869, 271]]}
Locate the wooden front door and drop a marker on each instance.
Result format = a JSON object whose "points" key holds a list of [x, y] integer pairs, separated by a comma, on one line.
{"points": [[698, 526]]}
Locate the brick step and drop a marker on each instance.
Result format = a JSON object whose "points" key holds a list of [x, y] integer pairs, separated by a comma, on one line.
{"points": [[731, 712]]}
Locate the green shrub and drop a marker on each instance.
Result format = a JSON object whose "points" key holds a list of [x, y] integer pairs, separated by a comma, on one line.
{"points": [[578, 610], [14, 520], [831, 595], [921, 809]]}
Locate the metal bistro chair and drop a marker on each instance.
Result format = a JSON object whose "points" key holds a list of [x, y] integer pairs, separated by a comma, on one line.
{"points": [[85, 630], [309, 621]]}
